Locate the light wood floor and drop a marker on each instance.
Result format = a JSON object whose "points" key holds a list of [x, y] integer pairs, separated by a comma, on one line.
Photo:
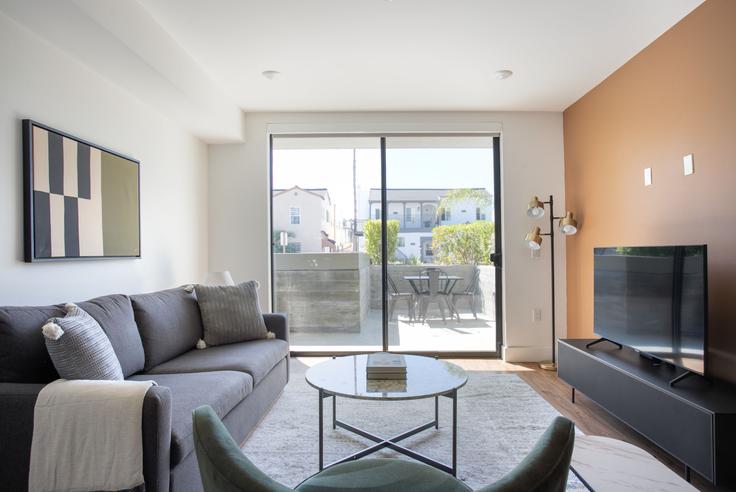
{"points": [[587, 415]]}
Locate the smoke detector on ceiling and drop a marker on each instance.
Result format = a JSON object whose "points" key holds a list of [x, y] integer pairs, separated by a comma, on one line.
{"points": [[503, 74], [270, 74]]}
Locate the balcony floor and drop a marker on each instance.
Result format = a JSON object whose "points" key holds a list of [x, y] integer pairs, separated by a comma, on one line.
{"points": [[466, 335]]}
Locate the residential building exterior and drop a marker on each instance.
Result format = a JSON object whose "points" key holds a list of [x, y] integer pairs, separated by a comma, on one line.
{"points": [[418, 211], [307, 215]]}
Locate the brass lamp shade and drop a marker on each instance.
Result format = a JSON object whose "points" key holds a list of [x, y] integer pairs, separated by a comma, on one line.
{"points": [[535, 208], [568, 225], [534, 238]]}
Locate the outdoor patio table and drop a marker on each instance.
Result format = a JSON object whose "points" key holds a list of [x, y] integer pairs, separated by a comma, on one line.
{"points": [[450, 282]]}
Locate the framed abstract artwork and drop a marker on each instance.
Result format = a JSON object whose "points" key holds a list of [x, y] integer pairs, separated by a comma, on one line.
{"points": [[82, 201]]}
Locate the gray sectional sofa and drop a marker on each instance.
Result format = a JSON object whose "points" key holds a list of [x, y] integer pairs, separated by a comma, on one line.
{"points": [[154, 336]]}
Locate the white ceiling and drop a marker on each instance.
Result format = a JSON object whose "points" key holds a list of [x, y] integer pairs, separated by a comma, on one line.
{"points": [[201, 60], [350, 55]]}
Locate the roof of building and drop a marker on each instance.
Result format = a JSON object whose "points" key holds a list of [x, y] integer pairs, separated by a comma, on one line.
{"points": [[320, 192], [410, 194]]}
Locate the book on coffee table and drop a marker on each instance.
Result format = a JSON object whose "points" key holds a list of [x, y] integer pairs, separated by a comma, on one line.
{"points": [[383, 365], [386, 385]]}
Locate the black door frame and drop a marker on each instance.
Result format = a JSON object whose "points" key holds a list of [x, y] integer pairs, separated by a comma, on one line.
{"points": [[496, 138]]}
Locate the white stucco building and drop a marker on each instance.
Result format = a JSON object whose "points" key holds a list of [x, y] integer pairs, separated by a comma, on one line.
{"points": [[416, 209], [308, 216]]}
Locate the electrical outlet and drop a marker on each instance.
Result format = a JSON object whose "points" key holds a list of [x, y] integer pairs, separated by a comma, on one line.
{"points": [[536, 253], [648, 176], [537, 314], [688, 167]]}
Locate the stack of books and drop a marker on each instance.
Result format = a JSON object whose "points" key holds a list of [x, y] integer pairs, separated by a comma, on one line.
{"points": [[383, 365]]}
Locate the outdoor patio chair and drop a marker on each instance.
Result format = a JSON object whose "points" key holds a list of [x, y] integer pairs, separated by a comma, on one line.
{"points": [[395, 296], [470, 292], [432, 291]]}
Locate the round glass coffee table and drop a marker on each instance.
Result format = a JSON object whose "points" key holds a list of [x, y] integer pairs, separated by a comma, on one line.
{"points": [[426, 377]]}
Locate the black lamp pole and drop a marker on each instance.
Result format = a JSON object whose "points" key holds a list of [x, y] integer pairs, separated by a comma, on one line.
{"points": [[551, 235], [552, 269]]}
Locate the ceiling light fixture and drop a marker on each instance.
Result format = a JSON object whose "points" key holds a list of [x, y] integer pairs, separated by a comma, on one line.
{"points": [[504, 74], [270, 74]]}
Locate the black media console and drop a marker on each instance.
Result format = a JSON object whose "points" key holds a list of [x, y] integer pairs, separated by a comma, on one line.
{"points": [[694, 421]]}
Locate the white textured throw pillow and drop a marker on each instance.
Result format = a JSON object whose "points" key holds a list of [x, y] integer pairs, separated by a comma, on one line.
{"points": [[79, 347]]}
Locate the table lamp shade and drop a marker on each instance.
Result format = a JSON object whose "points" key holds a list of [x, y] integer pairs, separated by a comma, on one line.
{"points": [[219, 278]]}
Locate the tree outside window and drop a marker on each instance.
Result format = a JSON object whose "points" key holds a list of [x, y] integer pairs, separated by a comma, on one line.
{"points": [[372, 234]]}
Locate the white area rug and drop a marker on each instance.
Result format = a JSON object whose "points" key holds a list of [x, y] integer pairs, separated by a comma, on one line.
{"points": [[499, 419]]}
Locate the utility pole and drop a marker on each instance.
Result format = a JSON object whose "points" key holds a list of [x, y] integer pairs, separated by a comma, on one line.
{"points": [[355, 206]]}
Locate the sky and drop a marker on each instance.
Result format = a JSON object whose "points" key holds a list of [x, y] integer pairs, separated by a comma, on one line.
{"points": [[405, 168]]}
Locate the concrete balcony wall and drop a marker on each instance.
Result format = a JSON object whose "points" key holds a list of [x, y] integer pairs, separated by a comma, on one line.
{"points": [[333, 292], [322, 292]]}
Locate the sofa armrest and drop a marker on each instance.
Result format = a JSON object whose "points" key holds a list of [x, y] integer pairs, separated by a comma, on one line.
{"points": [[157, 438], [277, 323], [17, 403]]}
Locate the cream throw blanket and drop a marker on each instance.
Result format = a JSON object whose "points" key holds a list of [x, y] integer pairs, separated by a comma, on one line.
{"points": [[87, 436]]}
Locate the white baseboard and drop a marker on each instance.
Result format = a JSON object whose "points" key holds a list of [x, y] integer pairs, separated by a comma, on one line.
{"points": [[526, 354]]}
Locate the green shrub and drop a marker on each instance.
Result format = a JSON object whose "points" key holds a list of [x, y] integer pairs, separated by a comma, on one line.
{"points": [[463, 244], [372, 234]]}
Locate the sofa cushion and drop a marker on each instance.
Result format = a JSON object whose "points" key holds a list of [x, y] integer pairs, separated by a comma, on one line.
{"points": [[114, 313], [222, 390], [256, 358], [23, 354], [79, 348], [169, 322]]}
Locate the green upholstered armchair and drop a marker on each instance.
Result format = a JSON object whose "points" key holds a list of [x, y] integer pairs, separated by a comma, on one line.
{"points": [[224, 467]]}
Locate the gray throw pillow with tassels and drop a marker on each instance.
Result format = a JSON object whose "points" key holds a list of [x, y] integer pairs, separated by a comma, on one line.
{"points": [[230, 313], [79, 348]]}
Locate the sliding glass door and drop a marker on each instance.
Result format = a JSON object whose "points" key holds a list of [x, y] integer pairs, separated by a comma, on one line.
{"points": [[384, 242], [440, 214], [322, 276]]}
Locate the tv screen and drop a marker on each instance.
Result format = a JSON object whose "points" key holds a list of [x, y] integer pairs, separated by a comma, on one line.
{"points": [[654, 299]]}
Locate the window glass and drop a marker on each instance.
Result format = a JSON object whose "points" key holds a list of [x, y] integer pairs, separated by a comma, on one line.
{"points": [[295, 215]]}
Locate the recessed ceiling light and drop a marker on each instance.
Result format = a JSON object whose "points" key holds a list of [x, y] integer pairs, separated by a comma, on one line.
{"points": [[270, 74], [504, 74]]}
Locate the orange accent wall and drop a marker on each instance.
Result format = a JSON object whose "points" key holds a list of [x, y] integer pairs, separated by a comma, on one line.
{"points": [[676, 97]]}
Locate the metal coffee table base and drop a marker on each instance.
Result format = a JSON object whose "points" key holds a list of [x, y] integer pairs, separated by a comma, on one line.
{"points": [[391, 442]]}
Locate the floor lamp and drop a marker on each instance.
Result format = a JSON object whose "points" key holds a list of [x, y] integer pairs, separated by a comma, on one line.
{"points": [[567, 226]]}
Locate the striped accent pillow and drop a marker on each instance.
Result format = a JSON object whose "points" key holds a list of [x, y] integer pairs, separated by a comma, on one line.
{"points": [[230, 313], [79, 348]]}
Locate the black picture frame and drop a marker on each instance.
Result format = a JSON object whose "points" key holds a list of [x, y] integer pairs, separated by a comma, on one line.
{"points": [[29, 212]]}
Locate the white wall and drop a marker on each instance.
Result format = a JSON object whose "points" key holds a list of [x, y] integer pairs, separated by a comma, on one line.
{"points": [[415, 249], [532, 159], [40, 82]]}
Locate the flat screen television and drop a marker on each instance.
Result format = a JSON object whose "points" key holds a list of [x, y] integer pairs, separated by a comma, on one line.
{"points": [[654, 299]]}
